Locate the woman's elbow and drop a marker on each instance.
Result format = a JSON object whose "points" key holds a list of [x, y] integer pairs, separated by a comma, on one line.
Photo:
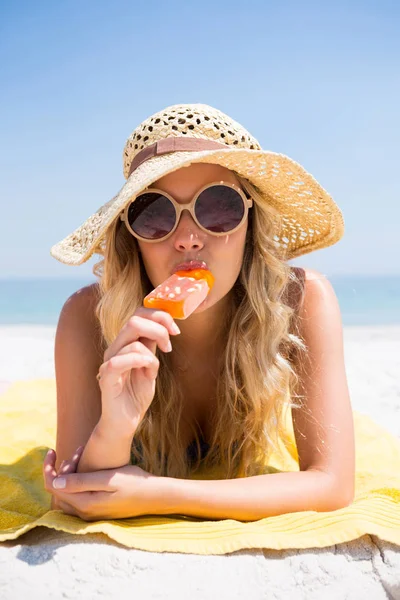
{"points": [[343, 499]]}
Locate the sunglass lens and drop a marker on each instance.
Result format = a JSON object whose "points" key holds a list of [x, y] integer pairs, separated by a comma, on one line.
{"points": [[219, 208], [151, 216]]}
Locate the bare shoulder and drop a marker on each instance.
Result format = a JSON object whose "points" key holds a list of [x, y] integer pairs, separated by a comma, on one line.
{"points": [[320, 306], [316, 283], [311, 274], [300, 289], [79, 313], [83, 300]]}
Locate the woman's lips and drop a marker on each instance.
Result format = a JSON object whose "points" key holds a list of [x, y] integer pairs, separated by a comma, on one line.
{"points": [[189, 265]]}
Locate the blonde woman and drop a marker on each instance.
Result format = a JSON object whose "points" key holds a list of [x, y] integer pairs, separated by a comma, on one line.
{"points": [[145, 402]]}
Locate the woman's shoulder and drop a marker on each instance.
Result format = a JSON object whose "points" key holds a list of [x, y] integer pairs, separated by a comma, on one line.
{"points": [[307, 274], [93, 291], [312, 274], [302, 275], [79, 310], [89, 297], [82, 302], [305, 284], [318, 296]]}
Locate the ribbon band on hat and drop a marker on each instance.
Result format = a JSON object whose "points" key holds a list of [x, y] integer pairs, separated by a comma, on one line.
{"points": [[183, 134], [173, 144]]}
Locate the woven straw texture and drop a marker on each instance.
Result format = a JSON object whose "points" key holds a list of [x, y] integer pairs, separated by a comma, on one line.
{"points": [[311, 220]]}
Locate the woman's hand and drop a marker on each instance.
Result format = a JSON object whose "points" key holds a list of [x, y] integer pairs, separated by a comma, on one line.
{"points": [[67, 466], [129, 371], [110, 494]]}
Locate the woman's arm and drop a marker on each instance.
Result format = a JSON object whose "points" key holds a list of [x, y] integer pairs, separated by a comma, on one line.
{"points": [[323, 426], [323, 429], [130, 492], [104, 447], [250, 498], [107, 448], [78, 356]]}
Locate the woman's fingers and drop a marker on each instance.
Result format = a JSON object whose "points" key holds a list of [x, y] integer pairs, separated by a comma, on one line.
{"points": [[61, 468], [69, 466], [76, 482], [49, 468], [112, 370], [156, 325], [71, 503], [138, 347], [68, 509]]}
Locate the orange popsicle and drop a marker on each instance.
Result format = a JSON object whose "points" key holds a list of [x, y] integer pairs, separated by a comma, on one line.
{"points": [[182, 293]]}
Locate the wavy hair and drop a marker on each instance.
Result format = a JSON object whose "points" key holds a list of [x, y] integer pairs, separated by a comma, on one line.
{"points": [[257, 377]]}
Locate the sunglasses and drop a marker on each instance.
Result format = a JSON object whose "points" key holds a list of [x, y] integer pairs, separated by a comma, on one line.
{"points": [[218, 208]]}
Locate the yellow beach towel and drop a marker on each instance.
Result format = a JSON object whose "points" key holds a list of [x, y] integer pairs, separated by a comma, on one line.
{"points": [[27, 431]]}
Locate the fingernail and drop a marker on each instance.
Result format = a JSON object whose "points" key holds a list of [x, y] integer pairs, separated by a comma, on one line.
{"points": [[169, 346], [175, 328], [59, 483]]}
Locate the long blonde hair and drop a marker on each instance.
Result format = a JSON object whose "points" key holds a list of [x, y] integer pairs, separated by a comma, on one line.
{"points": [[256, 379]]}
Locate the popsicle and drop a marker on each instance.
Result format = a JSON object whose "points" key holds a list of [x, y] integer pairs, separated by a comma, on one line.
{"points": [[181, 293]]}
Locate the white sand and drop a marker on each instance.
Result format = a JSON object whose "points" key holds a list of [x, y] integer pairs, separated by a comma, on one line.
{"points": [[49, 564]]}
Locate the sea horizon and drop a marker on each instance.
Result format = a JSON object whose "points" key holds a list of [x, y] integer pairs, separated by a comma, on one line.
{"points": [[363, 299]]}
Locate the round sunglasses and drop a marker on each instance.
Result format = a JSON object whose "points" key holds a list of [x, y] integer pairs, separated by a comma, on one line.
{"points": [[218, 208]]}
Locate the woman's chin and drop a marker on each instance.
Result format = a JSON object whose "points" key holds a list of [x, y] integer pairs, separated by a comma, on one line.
{"points": [[202, 306], [208, 302]]}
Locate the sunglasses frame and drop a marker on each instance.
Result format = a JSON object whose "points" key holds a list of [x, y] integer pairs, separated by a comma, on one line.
{"points": [[247, 202]]}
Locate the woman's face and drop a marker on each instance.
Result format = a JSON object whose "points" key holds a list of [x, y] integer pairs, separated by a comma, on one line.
{"points": [[223, 254]]}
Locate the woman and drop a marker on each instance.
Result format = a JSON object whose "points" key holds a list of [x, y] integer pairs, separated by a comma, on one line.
{"points": [[151, 404]]}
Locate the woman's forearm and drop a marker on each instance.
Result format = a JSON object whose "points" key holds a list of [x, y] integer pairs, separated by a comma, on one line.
{"points": [[252, 498], [107, 448]]}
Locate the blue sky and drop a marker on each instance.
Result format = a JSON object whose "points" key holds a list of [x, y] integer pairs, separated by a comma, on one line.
{"points": [[317, 81]]}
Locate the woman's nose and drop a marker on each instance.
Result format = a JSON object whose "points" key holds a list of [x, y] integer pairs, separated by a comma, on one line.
{"points": [[187, 231]]}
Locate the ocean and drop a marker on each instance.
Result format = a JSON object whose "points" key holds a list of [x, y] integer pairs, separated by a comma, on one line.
{"points": [[363, 300]]}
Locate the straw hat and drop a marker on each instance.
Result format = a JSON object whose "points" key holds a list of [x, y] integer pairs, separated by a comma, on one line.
{"points": [[188, 133]]}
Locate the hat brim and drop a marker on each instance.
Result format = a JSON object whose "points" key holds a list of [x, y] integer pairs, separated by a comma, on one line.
{"points": [[311, 220]]}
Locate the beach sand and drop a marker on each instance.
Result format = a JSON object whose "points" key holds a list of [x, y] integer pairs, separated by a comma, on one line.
{"points": [[46, 563]]}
